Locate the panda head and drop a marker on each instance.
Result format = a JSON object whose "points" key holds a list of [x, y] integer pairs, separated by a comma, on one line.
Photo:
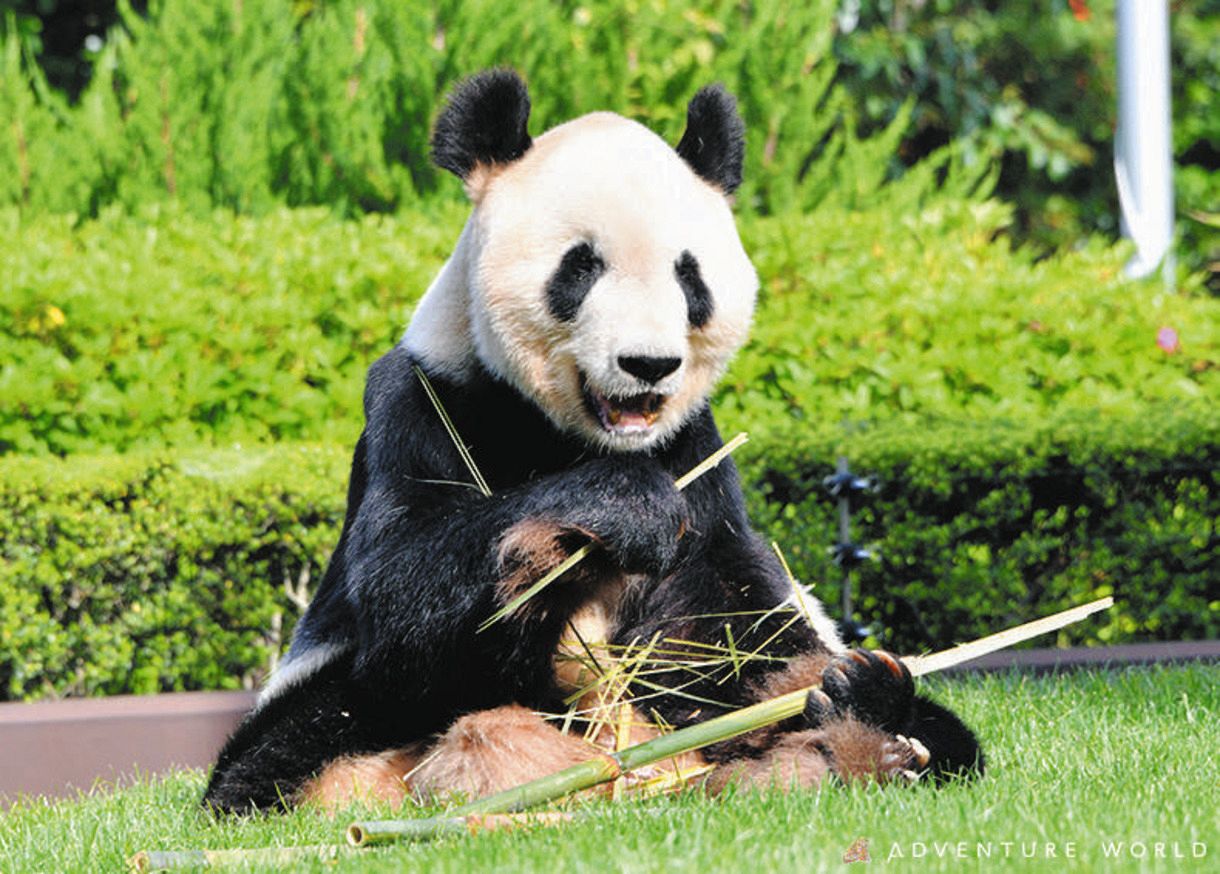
{"points": [[600, 273]]}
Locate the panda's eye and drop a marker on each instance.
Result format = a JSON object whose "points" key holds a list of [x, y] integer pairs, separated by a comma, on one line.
{"points": [[698, 298], [578, 270]]}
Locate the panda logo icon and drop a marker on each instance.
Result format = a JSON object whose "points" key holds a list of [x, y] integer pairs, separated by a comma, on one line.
{"points": [[593, 299]]}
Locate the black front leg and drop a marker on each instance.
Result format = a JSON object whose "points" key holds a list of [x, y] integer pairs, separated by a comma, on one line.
{"points": [[421, 588]]}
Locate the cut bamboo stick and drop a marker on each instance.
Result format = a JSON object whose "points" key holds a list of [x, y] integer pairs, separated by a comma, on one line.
{"points": [[381, 831], [174, 860], [158, 860], [575, 558], [929, 664], [612, 765]]}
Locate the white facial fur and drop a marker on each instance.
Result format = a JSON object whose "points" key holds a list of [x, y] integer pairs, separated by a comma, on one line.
{"points": [[610, 182]]}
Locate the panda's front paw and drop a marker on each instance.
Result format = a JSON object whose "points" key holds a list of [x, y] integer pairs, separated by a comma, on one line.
{"points": [[872, 685], [637, 513]]}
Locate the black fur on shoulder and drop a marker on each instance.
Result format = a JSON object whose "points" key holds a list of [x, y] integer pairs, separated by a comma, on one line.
{"points": [[714, 141], [483, 122]]}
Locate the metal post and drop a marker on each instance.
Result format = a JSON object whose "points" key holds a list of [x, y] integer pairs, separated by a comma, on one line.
{"points": [[1143, 149], [844, 474], [842, 485]]}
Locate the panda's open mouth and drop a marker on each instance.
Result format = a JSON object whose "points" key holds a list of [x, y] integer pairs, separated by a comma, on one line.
{"points": [[633, 414]]}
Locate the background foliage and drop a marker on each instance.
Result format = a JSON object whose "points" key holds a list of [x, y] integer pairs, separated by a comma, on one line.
{"points": [[328, 101], [175, 330], [218, 216]]}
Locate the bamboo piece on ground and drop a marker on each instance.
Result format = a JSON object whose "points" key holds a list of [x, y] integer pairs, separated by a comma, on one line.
{"points": [[575, 558], [157, 860], [612, 765], [148, 861]]}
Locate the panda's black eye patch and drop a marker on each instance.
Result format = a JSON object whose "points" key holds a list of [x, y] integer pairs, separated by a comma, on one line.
{"points": [[698, 298], [579, 268]]}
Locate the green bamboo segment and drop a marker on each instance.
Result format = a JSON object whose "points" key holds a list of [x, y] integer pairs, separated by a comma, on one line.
{"points": [[713, 731], [158, 860], [588, 774], [363, 834], [548, 788]]}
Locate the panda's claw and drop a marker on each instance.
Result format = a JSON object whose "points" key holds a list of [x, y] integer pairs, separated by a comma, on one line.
{"points": [[896, 668], [819, 708], [901, 758], [860, 657]]}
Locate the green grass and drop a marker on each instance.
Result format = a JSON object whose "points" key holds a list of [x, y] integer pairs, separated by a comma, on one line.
{"points": [[1089, 758]]}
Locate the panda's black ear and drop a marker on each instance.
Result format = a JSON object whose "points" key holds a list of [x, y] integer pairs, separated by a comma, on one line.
{"points": [[714, 142], [483, 122]]}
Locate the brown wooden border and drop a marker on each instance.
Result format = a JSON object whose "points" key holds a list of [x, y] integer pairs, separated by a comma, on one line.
{"points": [[55, 748]]}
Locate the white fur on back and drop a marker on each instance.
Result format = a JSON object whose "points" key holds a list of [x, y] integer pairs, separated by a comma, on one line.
{"points": [[297, 670]]}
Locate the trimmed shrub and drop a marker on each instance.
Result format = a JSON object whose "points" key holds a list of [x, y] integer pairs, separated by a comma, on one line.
{"points": [[152, 572], [170, 329], [187, 570], [981, 525]]}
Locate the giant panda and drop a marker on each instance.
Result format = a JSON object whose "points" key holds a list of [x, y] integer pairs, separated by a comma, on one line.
{"points": [[592, 300]]}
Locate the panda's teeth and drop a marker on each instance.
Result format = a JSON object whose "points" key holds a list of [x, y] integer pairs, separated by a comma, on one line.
{"points": [[615, 415]]}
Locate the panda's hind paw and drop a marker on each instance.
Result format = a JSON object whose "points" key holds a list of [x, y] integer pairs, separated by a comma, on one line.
{"points": [[902, 758]]}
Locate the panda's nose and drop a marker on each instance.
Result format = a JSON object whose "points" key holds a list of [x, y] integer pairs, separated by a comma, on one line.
{"points": [[649, 368]]}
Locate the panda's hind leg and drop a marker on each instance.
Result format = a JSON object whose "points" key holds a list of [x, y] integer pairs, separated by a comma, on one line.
{"points": [[875, 691], [493, 750], [372, 777]]}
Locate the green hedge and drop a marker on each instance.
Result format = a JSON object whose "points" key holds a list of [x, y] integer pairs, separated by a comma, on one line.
{"points": [[162, 570], [172, 329]]}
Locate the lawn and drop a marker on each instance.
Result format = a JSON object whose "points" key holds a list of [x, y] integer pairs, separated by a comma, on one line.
{"points": [[1086, 771]]}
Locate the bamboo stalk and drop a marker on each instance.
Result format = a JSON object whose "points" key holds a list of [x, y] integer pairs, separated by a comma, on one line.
{"points": [[156, 860], [381, 831], [929, 664], [612, 765], [159, 860], [575, 558]]}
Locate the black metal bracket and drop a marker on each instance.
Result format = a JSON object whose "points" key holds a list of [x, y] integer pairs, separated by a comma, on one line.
{"points": [[849, 555], [845, 482]]}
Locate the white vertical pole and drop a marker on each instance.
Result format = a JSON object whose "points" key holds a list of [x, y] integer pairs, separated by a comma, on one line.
{"points": [[1143, 149]]}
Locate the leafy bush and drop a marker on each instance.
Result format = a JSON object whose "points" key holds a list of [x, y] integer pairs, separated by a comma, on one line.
{"points": [[261, 103], [149, 572], [171, 329], [186, 570], [924, 312], [1034, 85], [253, 104]]}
